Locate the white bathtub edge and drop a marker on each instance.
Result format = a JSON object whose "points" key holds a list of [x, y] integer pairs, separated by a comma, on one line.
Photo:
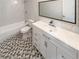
{"points": [[9, 30]]}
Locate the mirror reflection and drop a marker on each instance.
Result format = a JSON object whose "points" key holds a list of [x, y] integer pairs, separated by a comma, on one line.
{"points": [[63, 10]]}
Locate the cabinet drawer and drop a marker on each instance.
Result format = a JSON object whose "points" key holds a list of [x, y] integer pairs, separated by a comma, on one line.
{"points": [[62, 54]]}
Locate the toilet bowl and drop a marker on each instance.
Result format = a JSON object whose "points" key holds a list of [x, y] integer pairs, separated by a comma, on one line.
{"points": [[25, 30]]}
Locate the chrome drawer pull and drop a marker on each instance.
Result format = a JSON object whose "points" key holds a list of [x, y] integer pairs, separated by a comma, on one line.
{"points": [[63, 57], [46, 36], [45, 43]]}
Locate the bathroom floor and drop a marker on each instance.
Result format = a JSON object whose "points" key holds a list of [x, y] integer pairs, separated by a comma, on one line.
{"points": [[18, 48]]}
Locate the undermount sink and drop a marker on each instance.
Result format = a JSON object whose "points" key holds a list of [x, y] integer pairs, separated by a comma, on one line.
{"points": [[49, 28]]}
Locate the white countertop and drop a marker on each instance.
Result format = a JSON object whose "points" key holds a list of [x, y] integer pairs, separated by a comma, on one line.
{"points": [[68, 37]]}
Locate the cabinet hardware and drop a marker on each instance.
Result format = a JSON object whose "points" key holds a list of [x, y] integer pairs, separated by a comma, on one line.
{"points": [[63, 57], [45, 43], [46, 36]]}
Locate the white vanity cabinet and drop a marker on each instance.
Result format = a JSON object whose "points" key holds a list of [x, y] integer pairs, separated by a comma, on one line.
{"points": [[40, 42], [52, 46]]}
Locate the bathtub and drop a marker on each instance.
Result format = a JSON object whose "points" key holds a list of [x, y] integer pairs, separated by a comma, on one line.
{"points": [[10, 30]]}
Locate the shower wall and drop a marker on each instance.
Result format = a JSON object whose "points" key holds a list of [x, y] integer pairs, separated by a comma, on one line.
{"points": [[31, 11], [11, 11], [11, 18]]}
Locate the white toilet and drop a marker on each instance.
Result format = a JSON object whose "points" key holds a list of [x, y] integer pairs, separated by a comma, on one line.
{"points": [[26, 31]]}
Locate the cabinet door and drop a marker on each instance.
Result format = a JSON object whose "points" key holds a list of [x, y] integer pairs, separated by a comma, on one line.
{"points": [[69, 10], [36, 38], [61, 54], [38, 41], [51, 50], [42, 45]]}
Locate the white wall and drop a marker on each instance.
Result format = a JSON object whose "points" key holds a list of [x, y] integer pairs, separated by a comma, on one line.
{"points": [[31, 8], [11, 18], [32, 12], [11, 11]]}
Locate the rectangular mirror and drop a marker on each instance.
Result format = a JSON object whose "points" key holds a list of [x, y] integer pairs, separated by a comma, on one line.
{"points": [[64, 10]]}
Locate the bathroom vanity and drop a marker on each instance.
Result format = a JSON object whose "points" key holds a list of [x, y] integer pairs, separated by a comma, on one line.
{"points": [[55, 42]]}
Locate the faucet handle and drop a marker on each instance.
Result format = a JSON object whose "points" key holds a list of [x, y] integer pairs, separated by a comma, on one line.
{"points": [[51, 22]]}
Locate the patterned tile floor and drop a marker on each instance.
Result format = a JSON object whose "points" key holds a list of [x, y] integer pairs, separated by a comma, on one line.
{"points": [[17, 48]]}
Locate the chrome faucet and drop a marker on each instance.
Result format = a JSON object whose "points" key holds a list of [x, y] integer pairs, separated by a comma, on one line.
{"points": [[51, 23]]}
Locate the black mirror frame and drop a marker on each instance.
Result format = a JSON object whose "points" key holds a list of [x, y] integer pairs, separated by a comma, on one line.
{"points": [[55, 18]]}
